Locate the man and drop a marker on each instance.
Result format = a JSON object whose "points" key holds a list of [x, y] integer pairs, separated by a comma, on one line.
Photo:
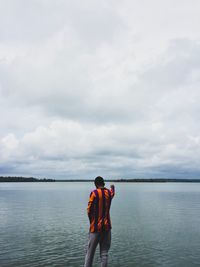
{"points": [[100, 224]]}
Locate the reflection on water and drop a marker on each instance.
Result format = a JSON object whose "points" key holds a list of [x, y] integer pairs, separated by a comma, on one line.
{"points": [[45, 224]]}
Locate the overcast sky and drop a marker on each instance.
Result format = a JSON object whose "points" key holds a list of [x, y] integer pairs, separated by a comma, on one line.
{"points": [[107, 88]]}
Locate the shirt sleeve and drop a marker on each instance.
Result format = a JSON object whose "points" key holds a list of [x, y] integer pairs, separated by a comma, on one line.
{"points": [[90, 205]]}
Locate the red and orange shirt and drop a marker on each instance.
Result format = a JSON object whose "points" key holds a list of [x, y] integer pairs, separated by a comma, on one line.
{"points": [[98, 209]]}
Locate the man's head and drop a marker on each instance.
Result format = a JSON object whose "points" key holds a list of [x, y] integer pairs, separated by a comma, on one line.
{"points": [[99, 182]]}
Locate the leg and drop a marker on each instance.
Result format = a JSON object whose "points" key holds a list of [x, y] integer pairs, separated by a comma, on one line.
{"points": [[92, 244], [105, 242]]}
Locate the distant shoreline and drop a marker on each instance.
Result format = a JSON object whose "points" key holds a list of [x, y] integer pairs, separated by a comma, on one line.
{"points": [[4, 179]]}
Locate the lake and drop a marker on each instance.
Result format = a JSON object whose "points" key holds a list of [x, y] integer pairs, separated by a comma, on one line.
{"points": [[45, 224]]}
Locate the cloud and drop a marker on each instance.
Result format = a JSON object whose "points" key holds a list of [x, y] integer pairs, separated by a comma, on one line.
{"points": [[106, 88]]}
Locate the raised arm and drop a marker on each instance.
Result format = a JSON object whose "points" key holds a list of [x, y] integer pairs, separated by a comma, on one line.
{"points": [[112, 190]]}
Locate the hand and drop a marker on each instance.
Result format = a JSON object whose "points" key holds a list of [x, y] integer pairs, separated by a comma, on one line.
{"points": [[112, 186]]}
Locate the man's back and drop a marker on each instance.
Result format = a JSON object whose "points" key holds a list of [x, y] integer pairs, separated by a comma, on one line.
{"points": [[98, 209]]}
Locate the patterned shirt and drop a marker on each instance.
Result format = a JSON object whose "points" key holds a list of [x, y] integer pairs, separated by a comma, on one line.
{"points": [[98, 209]]}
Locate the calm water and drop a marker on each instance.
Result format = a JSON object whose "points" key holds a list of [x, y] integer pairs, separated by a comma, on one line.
{"points": [[45, 224]]}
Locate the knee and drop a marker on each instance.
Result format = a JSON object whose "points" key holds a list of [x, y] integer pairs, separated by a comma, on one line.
{"points": [[104, 255]]}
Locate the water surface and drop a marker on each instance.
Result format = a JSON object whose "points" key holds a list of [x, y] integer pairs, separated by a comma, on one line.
{"points": [[45, 224]]}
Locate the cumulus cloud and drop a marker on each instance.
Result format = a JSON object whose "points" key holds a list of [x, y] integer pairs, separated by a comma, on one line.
{"points": [[100, 87]]}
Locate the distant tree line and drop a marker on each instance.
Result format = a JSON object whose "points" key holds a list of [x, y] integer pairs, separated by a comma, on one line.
{"points": [[135, 180], [23, 179], [157, 180]]}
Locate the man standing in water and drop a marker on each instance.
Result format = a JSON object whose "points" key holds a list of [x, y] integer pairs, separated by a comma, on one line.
{"points": [[100, 224]]}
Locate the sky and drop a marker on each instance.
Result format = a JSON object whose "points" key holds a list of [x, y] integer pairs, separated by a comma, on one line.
{"points": [[108, 88]]}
